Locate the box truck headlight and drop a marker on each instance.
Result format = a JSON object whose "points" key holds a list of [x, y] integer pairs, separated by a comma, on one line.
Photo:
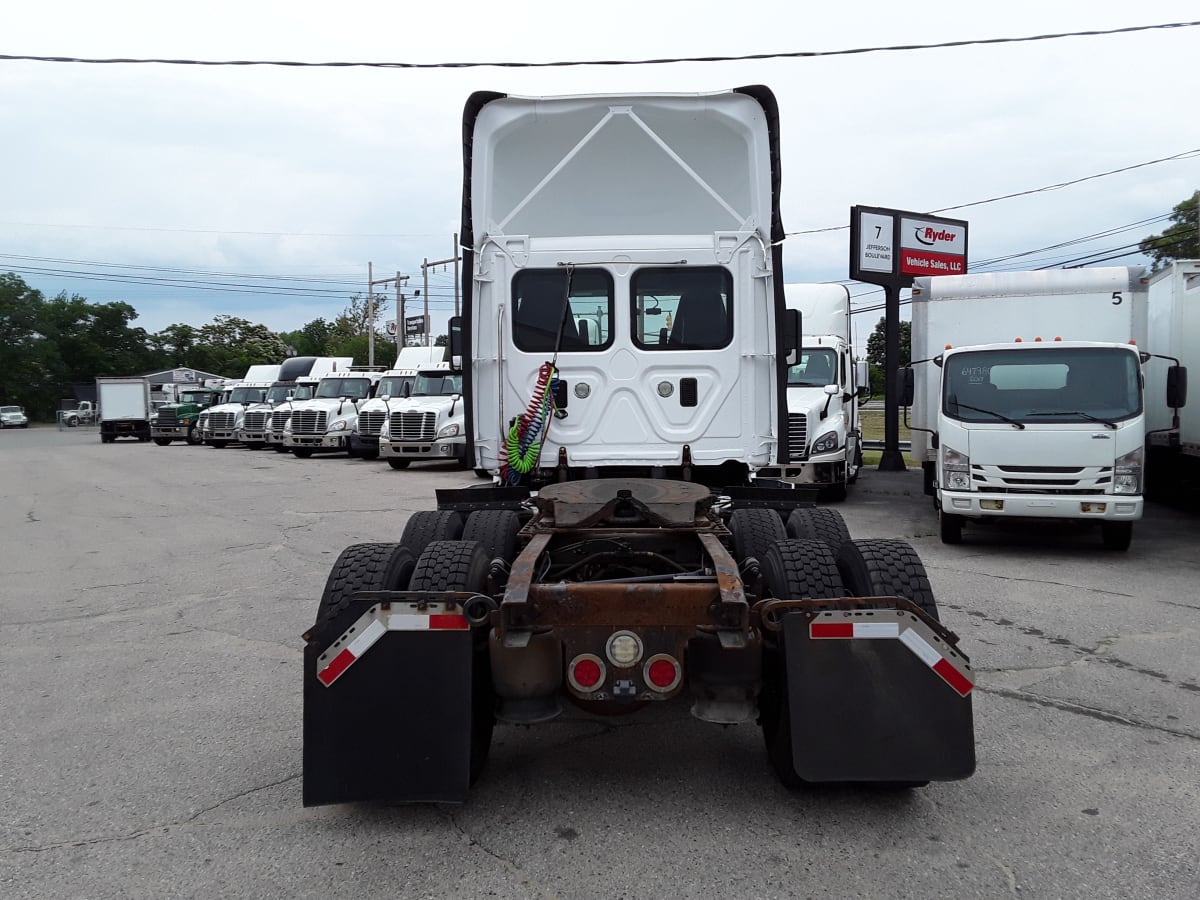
{"points": [[1128, 473], [826, 442], [955, 470], [449, 431]]}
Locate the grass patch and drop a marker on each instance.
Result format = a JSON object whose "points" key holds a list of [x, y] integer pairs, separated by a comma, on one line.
{"points": [[872, 430]]}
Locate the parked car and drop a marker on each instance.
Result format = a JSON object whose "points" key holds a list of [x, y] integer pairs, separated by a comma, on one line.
{"points": [[13, 417]]}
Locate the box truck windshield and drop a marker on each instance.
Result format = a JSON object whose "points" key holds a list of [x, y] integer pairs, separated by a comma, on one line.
{"points": [[1052, 385]]}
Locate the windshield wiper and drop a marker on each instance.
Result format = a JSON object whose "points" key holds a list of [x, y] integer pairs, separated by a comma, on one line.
{"points": [[989, 412], [1076, 412]]}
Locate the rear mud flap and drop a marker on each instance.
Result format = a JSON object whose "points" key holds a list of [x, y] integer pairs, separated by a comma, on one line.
{"points": [[891, 703], [395, 725]]}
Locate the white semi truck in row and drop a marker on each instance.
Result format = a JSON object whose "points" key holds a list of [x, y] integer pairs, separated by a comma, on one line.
{"points": [[220, 424], [624, 348], [325, 423], [824, 436], [392, 391], [1027, 397], [253, 427], [1173, 463]]}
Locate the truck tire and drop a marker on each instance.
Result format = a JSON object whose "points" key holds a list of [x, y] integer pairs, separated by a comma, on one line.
{"points": [[496, 529], [818, 524], [72, 423], [754, 532], [360, 567], [886, 568], [1116, 535], [398, 463], [793, 569], [463, 566], [950, 527], [301, 453], [194, 439], [218, 445], [163, 442], [429, 525]]}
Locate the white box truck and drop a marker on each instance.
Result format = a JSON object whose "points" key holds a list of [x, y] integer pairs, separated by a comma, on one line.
{"points": [[1026, 393], [1173, 463], [824, 436], [124, 408]]}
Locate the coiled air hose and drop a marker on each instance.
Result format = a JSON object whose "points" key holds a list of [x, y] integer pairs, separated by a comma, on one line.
{"points": [[528, 431]]}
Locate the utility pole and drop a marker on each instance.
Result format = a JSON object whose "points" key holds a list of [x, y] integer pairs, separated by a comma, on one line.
{"points": [[371, 282], [425, 266], [401, 334]]}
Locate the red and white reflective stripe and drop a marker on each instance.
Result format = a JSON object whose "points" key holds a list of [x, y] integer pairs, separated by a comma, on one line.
{"points": [[824, 628], [373, 625], [855, 630], [918, 645]]}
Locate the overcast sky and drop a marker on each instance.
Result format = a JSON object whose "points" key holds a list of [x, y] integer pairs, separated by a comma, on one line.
{"points": [[305, 175]]}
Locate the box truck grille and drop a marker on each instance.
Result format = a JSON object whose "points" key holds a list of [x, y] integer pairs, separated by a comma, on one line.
{"points": [[255, 420], [797, 437], [413, 426], [1041, 479], [221, 421], [308, 421], [371, 423], [279, 419], [166, 418]]}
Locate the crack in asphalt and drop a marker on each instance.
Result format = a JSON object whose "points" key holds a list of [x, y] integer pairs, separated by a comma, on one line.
{"points": [[511, 867], [154, 830], [1066, 584], [1081, 709]]}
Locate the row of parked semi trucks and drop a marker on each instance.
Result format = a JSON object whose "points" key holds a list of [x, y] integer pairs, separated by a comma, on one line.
{"points": [[414, 411]]}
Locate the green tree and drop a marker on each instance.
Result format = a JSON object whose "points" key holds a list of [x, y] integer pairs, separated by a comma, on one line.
{"points": [[1181, 240], [29, 365], [876, 349], [175, 346], [230, 345], [312, 339], [96, 338]]}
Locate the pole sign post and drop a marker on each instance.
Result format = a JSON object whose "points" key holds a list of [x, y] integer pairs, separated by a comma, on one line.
{"points": [[890, 247]]}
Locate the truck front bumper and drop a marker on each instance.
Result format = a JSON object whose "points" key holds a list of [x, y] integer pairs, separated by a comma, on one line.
{"points": [[223, 435], [252, 437], [809, 472], [1098, 507], [175, 432], [316, 441], [422, 452]]}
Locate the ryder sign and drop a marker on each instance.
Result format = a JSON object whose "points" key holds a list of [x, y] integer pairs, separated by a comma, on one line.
{"points": [[892, 247], [932, 246]]}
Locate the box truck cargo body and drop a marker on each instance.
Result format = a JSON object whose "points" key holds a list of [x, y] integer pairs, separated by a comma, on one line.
{"points": [[1174, 322], [124, 408]]}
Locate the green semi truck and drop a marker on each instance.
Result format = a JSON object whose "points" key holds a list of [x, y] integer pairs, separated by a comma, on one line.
{"points": [[177, 421]]}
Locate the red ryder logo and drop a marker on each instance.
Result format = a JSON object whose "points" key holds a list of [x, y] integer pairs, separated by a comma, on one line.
{"points": [[930, 236]]}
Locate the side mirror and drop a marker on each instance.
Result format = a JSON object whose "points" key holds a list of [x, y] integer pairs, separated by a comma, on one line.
{"points": [[904, 379], [831, 389], [1177, 386], [792, 336], [455, 343]]}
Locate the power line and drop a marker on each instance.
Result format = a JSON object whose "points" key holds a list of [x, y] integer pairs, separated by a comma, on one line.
{"points": [[1186, 154], [797, 54]]}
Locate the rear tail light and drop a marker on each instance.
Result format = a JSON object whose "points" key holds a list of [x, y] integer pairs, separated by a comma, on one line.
{"points": [[586, 672], [662, 673]]}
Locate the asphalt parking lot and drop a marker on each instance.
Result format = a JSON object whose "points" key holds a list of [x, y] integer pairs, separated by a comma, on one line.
{"points": [[151, 605]]}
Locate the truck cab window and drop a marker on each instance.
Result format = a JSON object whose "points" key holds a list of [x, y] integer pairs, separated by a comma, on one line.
{"points": [[541, 309], [816, 368], [682, 309]]}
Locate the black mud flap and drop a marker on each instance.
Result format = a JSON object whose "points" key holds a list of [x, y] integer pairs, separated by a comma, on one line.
{"points": [[891, 703], [395, 725]]}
